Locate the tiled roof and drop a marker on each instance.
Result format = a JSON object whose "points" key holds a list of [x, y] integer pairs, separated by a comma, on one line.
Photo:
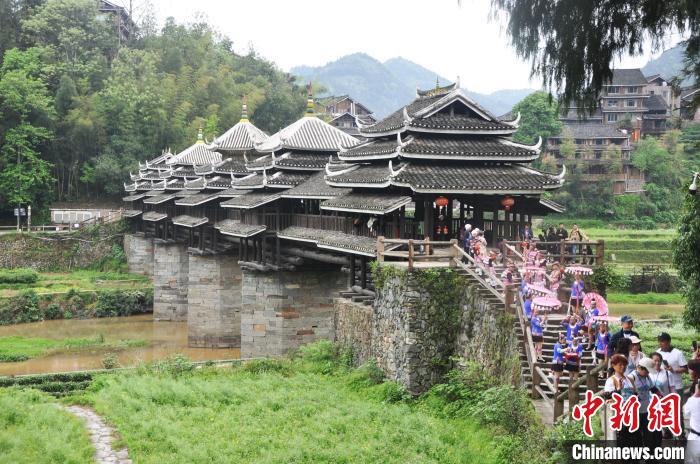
{"points": [[185, 193], [581, 115], [152, 193], [308, 133], [250, 200], [590, 131], [366, 203], [460, 122], [236, 229], [189, 221], [332, 240], [197, 199], [231, 165], [232, 192], [241, 137], [381, 149], [184, 171], [395, 120], [482, 148], [177, 184], [656, 103], [376, 174], [153, 216], [131, 213], [504, 178], [628, 77], [303, 161], [279, 179], [198, 153], [134, 197], [158, 199], [315, 187]]}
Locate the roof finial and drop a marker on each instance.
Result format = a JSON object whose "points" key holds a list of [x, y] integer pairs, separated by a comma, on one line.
{"points": [[200, 135], [437, 82], [244, 110], [310, 102]]}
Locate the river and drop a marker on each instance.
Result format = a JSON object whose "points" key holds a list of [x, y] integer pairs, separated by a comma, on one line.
{"points": [[163, 338]]}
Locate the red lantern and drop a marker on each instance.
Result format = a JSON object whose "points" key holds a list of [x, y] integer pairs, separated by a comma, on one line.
{"points": [[441, 201], [508, 203]]}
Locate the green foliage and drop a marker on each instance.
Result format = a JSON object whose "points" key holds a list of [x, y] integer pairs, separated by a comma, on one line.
{"points": [[645, 298], [267, 366], [604, 277], [686, 258], [112, 303], [110, 361], [34, 430], [18, 276], [381, 274], [176, 366], [539, 114]]}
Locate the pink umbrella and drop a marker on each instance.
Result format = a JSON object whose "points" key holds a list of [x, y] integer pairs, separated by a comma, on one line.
{"points": [[546, 303], [600, 302], [578, 270], [541, 290]]}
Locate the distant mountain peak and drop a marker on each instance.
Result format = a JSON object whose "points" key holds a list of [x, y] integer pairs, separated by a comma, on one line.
{"points": [[387, 86]]}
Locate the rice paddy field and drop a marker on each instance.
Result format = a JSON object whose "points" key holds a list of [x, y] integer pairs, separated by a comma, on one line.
{"points": [[632, 249]]}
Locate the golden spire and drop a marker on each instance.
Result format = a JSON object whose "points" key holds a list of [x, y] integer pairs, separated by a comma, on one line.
{"points": [[310, 102], [244, 110]]}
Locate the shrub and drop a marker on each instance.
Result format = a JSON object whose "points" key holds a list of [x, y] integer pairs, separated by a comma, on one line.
{"points": [[266, 366], [175, 365], [18, 276], [110, 361], [110, 303], [21, 308], [366, 375], [53, 311]]}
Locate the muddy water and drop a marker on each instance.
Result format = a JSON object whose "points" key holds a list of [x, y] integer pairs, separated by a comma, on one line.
{"points": [[163, 338]]}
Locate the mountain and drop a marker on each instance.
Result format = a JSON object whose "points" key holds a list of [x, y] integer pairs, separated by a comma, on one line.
{"points": [[385, 87], [669, 64]]}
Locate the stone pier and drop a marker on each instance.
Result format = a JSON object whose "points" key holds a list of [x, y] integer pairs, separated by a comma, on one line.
{"points": [[139, 253], [170, 281], [284, 310], [214, 302]]}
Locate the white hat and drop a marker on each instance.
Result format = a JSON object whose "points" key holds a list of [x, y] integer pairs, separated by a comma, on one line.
{"points": [[634, 340], [476, 231], [468, 227], [647, 364]]}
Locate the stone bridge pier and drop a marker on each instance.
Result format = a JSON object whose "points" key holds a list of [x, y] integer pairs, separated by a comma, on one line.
{"points": [[139, 253], [284, 310], [170, 281]]}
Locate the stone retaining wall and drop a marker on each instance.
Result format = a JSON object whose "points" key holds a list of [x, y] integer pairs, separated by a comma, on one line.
{"points": [[214, 302], [353, 328], [284, 310], [170, 282], [139, 253]]}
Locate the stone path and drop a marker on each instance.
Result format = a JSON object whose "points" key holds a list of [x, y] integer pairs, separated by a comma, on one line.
{"points": [[101, 436]]}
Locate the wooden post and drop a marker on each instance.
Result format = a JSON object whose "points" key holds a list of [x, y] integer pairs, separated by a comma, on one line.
{"points": [[573, 396], [558, 408], [534, 394], [562, 253], [428, 251], [278, 257], [453, 252], [363, 272], [380, 249], [600, 253], [246, 250], [509, 297], [410, 255], [352, 270]]}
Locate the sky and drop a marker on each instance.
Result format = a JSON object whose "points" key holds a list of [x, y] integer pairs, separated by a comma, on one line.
{"points": [[441, 35]]}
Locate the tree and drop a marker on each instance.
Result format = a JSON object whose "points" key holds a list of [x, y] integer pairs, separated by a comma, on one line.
{"points": [[26, 113], [572, 44], [686, 258], [539, 117]]}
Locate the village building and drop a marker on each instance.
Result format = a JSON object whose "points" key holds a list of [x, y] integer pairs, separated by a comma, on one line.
{"points": [[344, 111]]}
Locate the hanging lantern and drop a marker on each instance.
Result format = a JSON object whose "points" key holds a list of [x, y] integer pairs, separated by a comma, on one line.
{"points": [[441, 201], [508, 202]]}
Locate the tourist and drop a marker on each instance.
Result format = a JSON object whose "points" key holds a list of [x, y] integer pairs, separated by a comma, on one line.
{"points": [[573, 355], [662, 378], [527, 305], [561, 233], [526, 234], [691, 410], [602, 341], [635, 354], [575, 236], [640, 384], [466, 236], [558, 359], [615, 384], [675, 359], [624, 333], [576, 292], [552, 237], [537, 323]]}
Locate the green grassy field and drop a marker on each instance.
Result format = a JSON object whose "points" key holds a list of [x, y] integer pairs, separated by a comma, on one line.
{"points": [[83, 280], [222, 415], [632, 249], [15, 348], [33, 429]]}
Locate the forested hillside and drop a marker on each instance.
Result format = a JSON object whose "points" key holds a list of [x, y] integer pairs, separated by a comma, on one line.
{"points": [[78, 109]]}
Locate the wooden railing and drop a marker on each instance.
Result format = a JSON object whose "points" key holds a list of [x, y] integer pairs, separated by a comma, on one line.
{"points": [[111, 216]]}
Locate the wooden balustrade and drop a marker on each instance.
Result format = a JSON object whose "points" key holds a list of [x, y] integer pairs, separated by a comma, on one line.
{"points": [[567, 250]]}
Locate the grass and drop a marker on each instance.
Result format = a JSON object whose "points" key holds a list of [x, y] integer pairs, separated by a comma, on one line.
{"points": [[34, 430], [16, 348], [81, 280], [647, 311], [272, 413], [646, 298]]}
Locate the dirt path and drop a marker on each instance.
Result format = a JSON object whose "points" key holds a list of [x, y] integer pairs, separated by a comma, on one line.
{"points": [[102, 436]]}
